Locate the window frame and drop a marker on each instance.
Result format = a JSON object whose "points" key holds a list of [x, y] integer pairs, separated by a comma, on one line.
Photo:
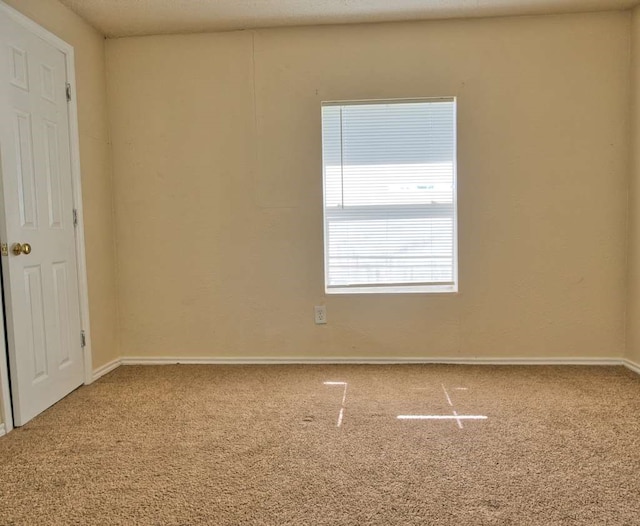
{"points": [[411, 210]]}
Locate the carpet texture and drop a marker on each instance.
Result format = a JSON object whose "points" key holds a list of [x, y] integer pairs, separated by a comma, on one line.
{"points": [[261, 445]]}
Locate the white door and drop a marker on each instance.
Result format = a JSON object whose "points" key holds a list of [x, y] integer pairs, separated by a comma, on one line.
{"points": [[36, 213]]}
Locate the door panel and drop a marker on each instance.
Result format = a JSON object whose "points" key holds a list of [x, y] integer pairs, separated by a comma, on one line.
{"points": [[34, 319], [41, 287], [18, 68], [53, 174], [62, 340], [25, 171]]}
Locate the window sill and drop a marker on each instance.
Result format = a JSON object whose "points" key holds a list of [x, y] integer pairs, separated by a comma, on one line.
{"points": [[391, 289]]}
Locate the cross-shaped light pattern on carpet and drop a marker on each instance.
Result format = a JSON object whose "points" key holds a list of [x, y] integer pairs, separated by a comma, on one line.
{"points": [[458, 418]]}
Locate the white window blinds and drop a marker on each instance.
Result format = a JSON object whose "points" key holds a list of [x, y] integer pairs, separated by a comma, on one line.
{"points": [[390, 196]]}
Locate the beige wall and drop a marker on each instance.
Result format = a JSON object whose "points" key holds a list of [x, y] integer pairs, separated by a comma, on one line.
{"points": [[633, 299], [218, 188], [95, 162]]}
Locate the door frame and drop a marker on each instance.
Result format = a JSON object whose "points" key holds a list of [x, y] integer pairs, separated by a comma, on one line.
{"points": [[74, 143]]}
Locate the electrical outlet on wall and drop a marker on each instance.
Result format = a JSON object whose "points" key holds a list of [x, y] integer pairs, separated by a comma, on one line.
{"points": [[320, 314]]}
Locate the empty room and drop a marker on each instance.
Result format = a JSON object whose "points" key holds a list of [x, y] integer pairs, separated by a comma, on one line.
{"points": [[282, 262]]}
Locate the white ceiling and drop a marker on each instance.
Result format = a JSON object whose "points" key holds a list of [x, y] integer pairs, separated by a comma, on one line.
{"points": [[118, 18]]}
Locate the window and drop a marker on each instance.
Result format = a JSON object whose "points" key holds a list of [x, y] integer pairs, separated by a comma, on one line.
{"points": [[389, 170]]}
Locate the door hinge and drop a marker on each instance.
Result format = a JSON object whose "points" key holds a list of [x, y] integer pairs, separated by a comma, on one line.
{"points": [[83, 340], [68, 90], [75, 217]]}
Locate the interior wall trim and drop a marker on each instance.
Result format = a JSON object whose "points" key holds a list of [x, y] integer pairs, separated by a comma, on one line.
{"points": [[144, 360], [632, 365], [106, 368], [157, 360]]}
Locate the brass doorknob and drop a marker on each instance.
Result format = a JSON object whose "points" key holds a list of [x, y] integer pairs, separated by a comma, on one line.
{"points": [[18, 249]]}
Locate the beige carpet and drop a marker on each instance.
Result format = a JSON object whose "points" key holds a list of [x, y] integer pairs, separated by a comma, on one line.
{"points": [[260, 445]]}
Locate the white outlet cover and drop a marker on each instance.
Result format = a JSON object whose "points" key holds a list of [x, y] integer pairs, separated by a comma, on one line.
{"points": [[320, 312]]}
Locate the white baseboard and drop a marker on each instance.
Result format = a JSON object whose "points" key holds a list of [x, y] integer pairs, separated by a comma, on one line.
{"points": [[2, 430], [143, 360], [106, 368], [632, 366], [158, 360]]}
